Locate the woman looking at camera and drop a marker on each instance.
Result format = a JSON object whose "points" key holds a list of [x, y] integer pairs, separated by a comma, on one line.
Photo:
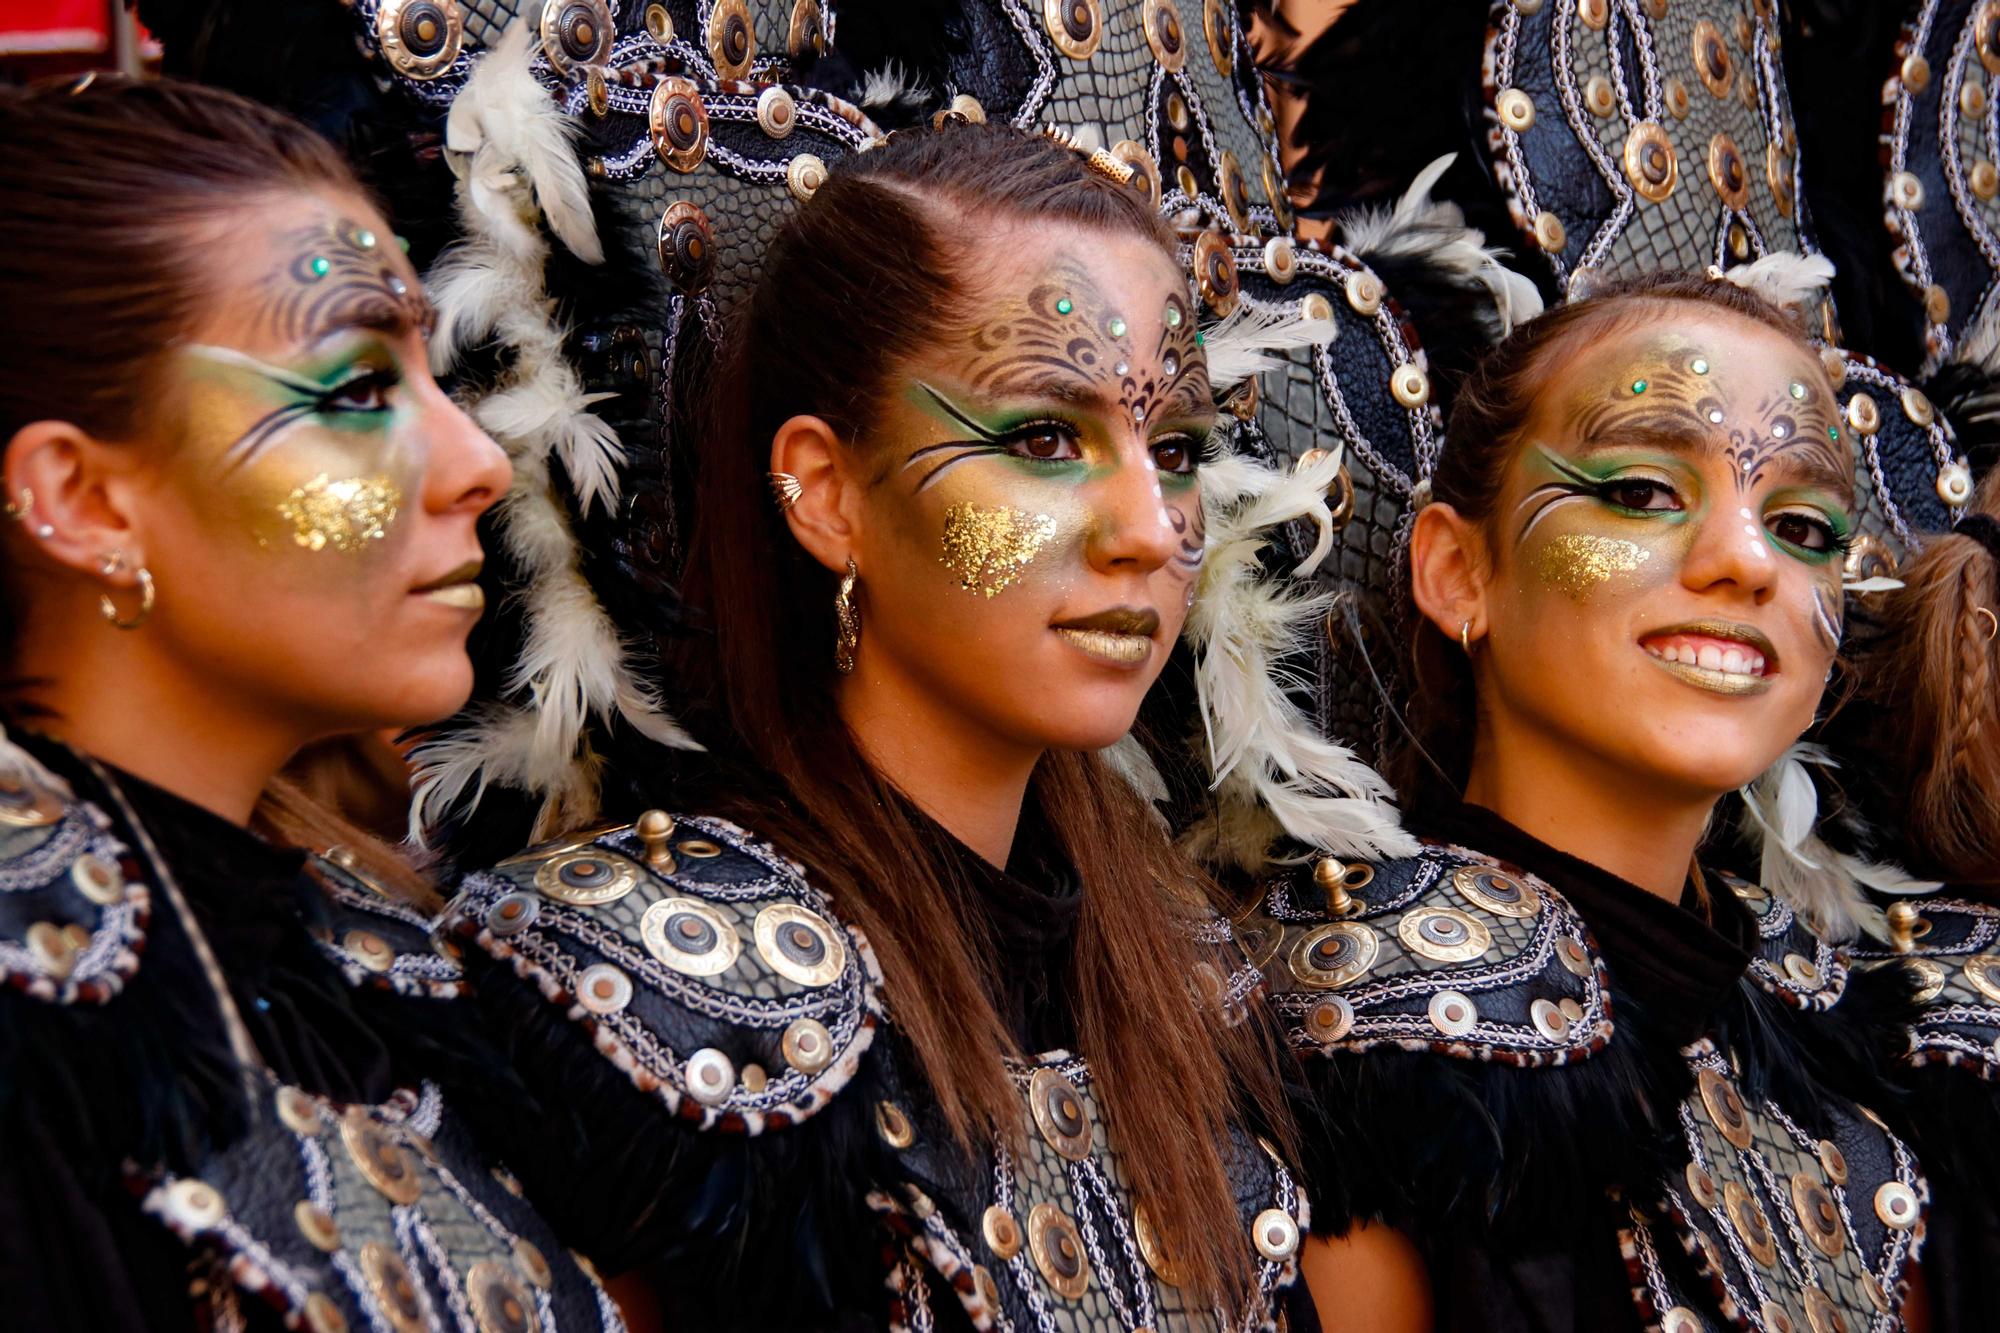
{"points": [[909, 1015], [243, 522]]}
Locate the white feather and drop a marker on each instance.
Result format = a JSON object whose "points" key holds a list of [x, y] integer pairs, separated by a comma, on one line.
{"points": [[1434, 231], [1272, 771], [1129, 760], [1879, 583], [28, 769], [1784, 277], [1241, 345], [892, 86], [1979, 344]]}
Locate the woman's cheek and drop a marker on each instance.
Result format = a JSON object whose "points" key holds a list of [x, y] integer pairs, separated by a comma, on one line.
{"points": [[1587, 561]]}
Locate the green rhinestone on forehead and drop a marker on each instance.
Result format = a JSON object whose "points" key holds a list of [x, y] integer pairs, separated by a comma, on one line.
{"points": [[1833, 432], [1638, 386], [319, 267], [1116, 326], [1064, 306]]}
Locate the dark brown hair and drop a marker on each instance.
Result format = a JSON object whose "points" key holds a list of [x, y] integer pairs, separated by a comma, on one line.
{"points": [[1934, 672], [1480, 443], [865, 275], [115, 197]]}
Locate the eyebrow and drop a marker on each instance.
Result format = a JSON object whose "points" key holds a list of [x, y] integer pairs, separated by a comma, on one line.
{"points": [[1057, 387], [372, 312], [1798, 465]]}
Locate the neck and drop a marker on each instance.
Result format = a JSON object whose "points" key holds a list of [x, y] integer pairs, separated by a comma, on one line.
{"points": [[115, 696], [1603, 813], [967, 779]]}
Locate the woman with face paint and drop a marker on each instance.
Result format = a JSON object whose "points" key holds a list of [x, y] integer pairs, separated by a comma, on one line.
{"points": [[243, 520], [908, 1015], [1569, 1076]]}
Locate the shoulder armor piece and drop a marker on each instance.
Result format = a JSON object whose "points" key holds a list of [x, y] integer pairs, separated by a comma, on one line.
{"points": [[1788, 960], [376, 940], [1953, 945], [73, 908], [699, 959], [1446, 951]]}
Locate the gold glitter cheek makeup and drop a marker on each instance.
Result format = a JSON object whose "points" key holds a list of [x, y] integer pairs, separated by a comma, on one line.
{"points": [[988, 548], [1577, 563]]}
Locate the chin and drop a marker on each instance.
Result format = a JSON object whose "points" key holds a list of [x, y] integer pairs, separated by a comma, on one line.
{"points": [[431, 696]]}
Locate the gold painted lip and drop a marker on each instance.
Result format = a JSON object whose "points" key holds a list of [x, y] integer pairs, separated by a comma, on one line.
{"points": [[465, 573], [1116, 649], [465, 596], [1733, 631], [1715, 682], [1118, 620]]}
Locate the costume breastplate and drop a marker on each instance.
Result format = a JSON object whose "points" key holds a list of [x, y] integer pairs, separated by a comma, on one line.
{"points": [[336, 1217], [703, 964], [1760, 1224], [1953, 945]]}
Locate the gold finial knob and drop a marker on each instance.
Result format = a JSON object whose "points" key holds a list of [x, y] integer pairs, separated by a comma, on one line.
{"points": [[1903, 926], [655, 827], [1331, 876]]}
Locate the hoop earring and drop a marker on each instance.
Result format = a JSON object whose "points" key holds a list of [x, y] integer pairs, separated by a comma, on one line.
{"points": [[1992, 622], [19, 513], [1465, 636], [105, 605], [848, 635]]}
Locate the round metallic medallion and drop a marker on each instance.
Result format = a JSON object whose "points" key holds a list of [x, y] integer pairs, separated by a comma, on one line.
{"points": [[420, 38], [586, 879], [1275, 1233], [701, 849], [1444, 934], [1332, 955], [1218, 29], [1802, 969], [966, 107], [1281, 261], [25, 804], [1145, 171], [1330, 1019], [1750, 1223], [1678, 102], [1701, 1185], [298, 1112], [1656, 9], [500, 1300], [1986, 34], [690, 936], [1571, 953], [1274, 193], [1983, 971], [1823, 1315], [576, 32], [1152, 1248], [603, 988], [1727, 173], [1819, 1217], [1060, 1114], [659, 23], [1549, 232], [710, 1076], [316, 1224], [799, 945], [1594, 13], [1177, 111], [368, 949], [988, 1289], [754, 1078], [1906, 191], [1570, 1009], [1775, 1318], [1680, 1319], [1739, 241], [1835, 365], [1058, 1250], [1549, 1019], [1917, 407], [732, 41], [323, 1316], [1954, 483], [1650, 162], [777, 112], [1598, 98], [1075, 26], [193, 1205], [1863, 415], [1453, 1013], [1871, 1287], [1364, 292], [679, 123], [1972, 98], [1409, 385], [1315, 306], [804, 175], [1002, 1232], [807, 1045], [395, 1292], [382, 1161], [1229, 178], [1215, 272], [1497, 891], [1916, 72], [1725, 1108], [1164, 34], [1711, 58], [1937, 303], [531, 1263], [1896, 1205], [687, 251], [808, 30], [1832, 1161], [1516, 109], [54, 951], [893, 1125]]}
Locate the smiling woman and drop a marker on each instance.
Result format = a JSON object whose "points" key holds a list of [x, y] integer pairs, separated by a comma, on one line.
{"points": [[1569, 1077]]}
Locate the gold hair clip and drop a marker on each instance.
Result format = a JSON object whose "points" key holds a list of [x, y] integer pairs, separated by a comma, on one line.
{"points": [[1099, 161]]}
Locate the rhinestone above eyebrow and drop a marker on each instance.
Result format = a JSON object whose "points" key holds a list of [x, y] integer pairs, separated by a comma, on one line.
{"points": [[1798, 390], [1715, 415], [1064, 306], [1699, 366], [1833, 432], [1638, 386], [1174, 316], [1779, 430], [1116, 327], [319, 267]]}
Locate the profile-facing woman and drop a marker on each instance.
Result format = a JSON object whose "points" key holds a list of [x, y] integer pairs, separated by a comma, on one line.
{"points": [[908, 1015], [1566, 1078], [244, 522]]}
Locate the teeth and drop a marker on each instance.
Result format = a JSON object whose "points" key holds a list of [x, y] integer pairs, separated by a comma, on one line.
{"points": [[1730, 661], [1757, 665], [1709, 656]]}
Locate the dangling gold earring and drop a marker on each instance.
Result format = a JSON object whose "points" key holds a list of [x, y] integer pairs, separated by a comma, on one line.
{"points": [[848, 636], [105, 605], [1465, 636]]}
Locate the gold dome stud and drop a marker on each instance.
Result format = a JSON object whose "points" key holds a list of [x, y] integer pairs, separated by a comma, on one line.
{"points": [[1516, 109]]}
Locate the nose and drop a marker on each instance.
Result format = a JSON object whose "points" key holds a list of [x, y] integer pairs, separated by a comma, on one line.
{"points": [[1731, 554], [469, 472], [1134, 527]]}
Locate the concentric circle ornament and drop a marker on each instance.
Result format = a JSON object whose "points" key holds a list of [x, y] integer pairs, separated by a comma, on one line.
{"points": [[1215, 272], [808, 30], [1152, 1249], [1863, 414], [1330, 1019], [1453, 1013], [382, 1161], [1275, 194], [1164, 33], [777, 112], [1145, 171], [1680, 1319], [586, 879], [1002, 1232], [1701, 1185], [1986, 35], [687, 250], [316, 1224], [1727, 173], [500, 1300], [1954, 484], [603, 988], [420, 38], [1549, 232], [1057, 1249], [804, 175], [193, 1205], [299, 1112], [1748, 1219], [1330, 956], [1549, 1019], [1281, 262], [1650, 163], [1819, 1216], [513, 913], [1983, 971], [1711, 58], [1832, 1161], [1229, 177], [678, 122], [690, 936], [28, 805], [576, 32], [807, 1045], [1444, 934], [1896, 1205], [1516, 109], [1409, 385], [1060, 1114], [1724, 1106], [1275, 1233], [1075, 26], [1218, 29], [893, 1124], [1823, 1314], [1364, 292], [1497, 891], [395, 1292], [710, 1076], [731, 40], [799, 945]]}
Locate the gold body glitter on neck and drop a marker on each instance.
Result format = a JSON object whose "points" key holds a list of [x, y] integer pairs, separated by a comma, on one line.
{"points": [[1578, 562], [988, 548], [342, 515]]}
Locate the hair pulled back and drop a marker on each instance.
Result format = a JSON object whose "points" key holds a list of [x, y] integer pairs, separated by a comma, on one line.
{"points": [[875, 267], [1481, 440]]}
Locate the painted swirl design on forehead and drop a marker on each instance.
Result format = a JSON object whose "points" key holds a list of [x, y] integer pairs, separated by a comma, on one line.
{"points": [[339, 275], [1680, 396], [1066, 335]]}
